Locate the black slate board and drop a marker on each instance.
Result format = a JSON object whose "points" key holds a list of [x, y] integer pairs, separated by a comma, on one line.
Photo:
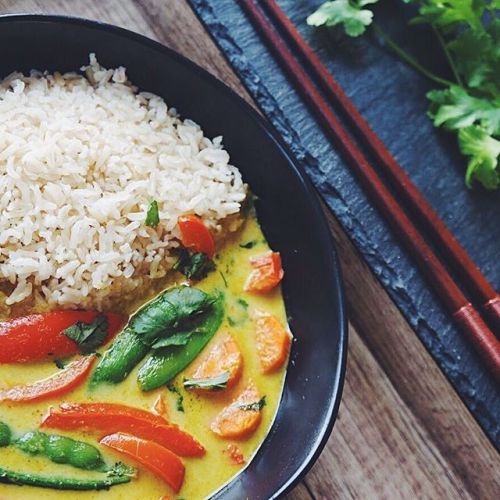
{"points": [[392, 98]]}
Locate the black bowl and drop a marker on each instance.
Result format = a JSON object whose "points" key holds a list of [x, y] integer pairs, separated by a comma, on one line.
{"points": [[287, 207]]}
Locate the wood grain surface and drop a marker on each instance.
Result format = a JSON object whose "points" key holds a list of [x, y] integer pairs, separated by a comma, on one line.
{"points": [[402, 431]]}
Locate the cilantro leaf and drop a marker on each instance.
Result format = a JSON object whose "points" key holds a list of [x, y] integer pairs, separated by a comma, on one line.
{"points": [[468, 34], [180, 398], [257, 406], [237, 312], [248, 244], [348, 13], [218, 383], [121, 469], [88, 336], [484, 151], [475, 58], [153, 214], [59, 363], [243, 303], [447, 14], [175, 309], [455, 108], [193, 265], [179, 338], [223, 276]]}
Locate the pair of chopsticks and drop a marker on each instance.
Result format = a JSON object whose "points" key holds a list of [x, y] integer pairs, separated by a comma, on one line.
{"points": [[463, 312]]}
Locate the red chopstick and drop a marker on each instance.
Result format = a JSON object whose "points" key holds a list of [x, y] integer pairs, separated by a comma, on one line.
{"points": [[454, 253], [462, 311]]}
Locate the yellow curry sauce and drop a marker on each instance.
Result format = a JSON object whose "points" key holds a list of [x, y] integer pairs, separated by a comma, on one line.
{"points": [[204, 475]]}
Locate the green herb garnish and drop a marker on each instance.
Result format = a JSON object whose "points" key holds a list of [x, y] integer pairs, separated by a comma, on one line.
{"points": [[223, 276], [218, 383], [249, 244], [173, 311], [194, 266], [243, 303], [179, 338], [180, 397], [349, 13], [153, 214], [238, 312], [257, 406], [468, 33], [89, 337], [164, 364], [121, 469], [59, 363]]}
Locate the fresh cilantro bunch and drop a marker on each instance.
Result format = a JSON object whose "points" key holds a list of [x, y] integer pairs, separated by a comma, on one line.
{"points": [[468, 32], [349, 13]]}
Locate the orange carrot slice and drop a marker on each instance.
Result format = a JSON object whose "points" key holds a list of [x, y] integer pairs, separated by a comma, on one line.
{"points": [[110, 418], [272, 341], [267, 273], [159, 460], [195, 235], [61, 383], [241, 417], [224, 357]]}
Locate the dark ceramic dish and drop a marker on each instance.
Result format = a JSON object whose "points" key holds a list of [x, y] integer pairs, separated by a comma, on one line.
{"points": [[287, 207]]}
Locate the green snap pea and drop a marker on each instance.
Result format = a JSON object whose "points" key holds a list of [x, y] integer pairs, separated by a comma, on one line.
{"points": [[61, 450], [164, 364], [120, 359], [87, 457], [172, 310], [5, 434], [33, 443], [60, 483]]}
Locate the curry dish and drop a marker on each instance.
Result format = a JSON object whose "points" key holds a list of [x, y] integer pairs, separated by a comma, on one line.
{"points": [[143, 335], [167, 393]]}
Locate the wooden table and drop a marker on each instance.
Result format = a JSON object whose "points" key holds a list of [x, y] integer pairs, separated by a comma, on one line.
{"points": [[402, 431]]}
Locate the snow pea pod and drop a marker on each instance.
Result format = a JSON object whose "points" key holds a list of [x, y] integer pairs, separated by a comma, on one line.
{"points": [[5, 434], [61, 450], [60, 483], [171, 310], [164, 364]]}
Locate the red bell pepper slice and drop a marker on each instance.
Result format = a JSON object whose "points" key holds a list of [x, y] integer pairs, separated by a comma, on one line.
{"points": [[159, 460], [195, 235], [61, 383], [39, 336], [110, 418]]}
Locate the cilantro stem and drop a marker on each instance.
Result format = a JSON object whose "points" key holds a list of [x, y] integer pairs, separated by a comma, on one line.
{"points": [[409, 59], [448, 55]]}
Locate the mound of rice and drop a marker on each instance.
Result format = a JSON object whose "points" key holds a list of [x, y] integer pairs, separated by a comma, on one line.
{"points": [[81, 157]]}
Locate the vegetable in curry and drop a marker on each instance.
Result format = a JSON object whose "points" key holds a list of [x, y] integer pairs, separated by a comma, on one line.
{"points": [[144, 406]]}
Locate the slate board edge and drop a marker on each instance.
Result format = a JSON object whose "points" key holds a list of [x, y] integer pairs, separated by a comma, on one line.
{"points": [[340, 208]]}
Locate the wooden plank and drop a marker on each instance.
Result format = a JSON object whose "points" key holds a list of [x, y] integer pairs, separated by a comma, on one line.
{"points": [[379, 449], [416, 378], [402, 431], [300, 492]]}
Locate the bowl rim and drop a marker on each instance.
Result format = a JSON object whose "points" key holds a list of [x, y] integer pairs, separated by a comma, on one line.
{"points": [[335, 276]]}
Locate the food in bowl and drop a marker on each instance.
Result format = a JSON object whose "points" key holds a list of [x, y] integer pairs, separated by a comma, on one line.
{"points": [[143, 334]]}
